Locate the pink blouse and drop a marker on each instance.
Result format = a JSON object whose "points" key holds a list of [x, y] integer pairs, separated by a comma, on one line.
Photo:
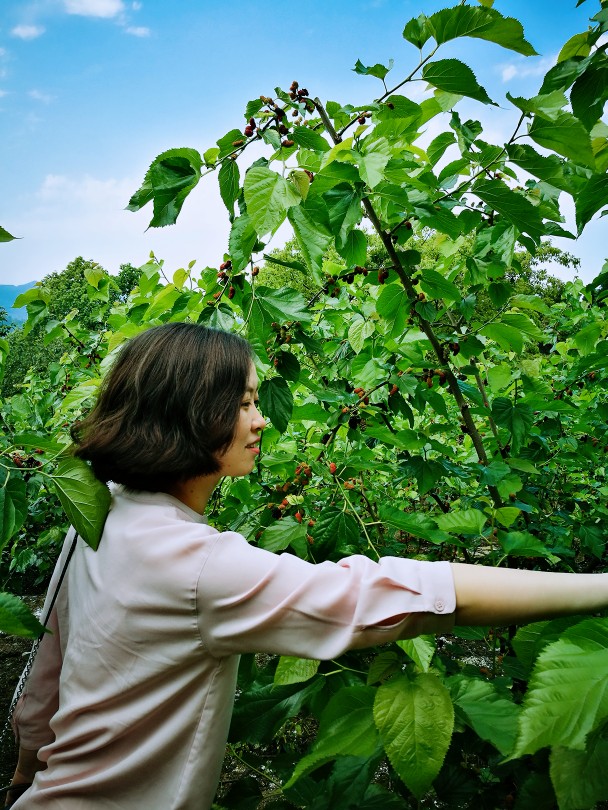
{"points": [[129, 701]]}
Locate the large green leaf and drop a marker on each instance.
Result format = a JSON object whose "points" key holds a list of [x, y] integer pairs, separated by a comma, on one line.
{"points": [[285, 532], [261, 711], [346, 728], [567, 696], [420, 649], [84, 499], [511, 205], [336, 527], [5, 236], [170, 178], [455, 77], [295, 670], [354, 248], [311, 228], [379, 71], [228, 178], [436, 286], [507, 337], [580, 778], [415, 523], [482, 23], [13, 506], [589, 93], [344, 207], [16, 619], [309, 139], [241, 242], [491, 715], [462, 521], [565, 135], [516, 417], [590, 198], [276, 401], [282, 305], [268, 196], [415, 718]]}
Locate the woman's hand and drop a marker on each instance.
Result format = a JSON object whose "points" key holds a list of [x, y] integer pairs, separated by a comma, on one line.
{"points": [[27, 767]]}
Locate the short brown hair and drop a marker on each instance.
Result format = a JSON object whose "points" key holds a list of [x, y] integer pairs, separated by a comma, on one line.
{"points": [[167, 408]]}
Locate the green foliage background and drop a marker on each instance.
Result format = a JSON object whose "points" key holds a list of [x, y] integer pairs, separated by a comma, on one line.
{"points": [[431, 392]]}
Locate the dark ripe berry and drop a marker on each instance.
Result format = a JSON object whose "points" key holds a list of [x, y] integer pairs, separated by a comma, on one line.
{"points": [[238, 142], [421, 296], [292, 96], [255, 271], [455, 348], [295, 114], [390, 105], [353, 422], [361, 119], [252, 123], [350, 278], [248, 131], [283, 129], [408, 225], [276, 513], [366, 400], [311, 176], [287, 143], [231, 292], [294, 85], [280, 113], [303, 92], [326, 437]]}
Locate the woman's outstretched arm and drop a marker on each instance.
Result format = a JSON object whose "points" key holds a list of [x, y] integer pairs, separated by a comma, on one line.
{"points": [[499, 596]]}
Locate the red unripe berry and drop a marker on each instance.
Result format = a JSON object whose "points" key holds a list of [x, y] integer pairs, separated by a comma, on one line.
{"points": [[287, 143], [231, 292], [393, 390], [349, 485], [298, 517], [311, 523], [332, 468], [255, 271]]}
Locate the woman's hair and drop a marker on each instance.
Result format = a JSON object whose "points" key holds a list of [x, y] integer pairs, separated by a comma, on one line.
{"points": [[167, 408]]}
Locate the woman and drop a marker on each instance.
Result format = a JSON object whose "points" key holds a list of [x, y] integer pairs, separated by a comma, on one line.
{"points": [[129, 701]]}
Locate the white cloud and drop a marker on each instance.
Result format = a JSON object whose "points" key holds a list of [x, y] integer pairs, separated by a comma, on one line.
{"points": [[138, 31], [95, 8], [38, 95], [27, 31], [523, 69]]}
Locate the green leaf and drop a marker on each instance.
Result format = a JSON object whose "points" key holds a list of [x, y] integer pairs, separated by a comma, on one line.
{"points": [[335, 527], [524, 544], [420, 649], [549, 168], [241, 242], [507, 515], [427, 472], [517, 417], [282, 305], [379, 71], [16, 619], [416, 523], [436, 149], [13, 507], [531, 639], [84, 499], [295, 670], [482, 23], [592, 196], [226, 142], [346, 728], [354, 248], [567, 695], [511, 205], [580, 778], [261, 711], [312, 234], [285, 532], [344, 208], [587, 337], [415, 718], [588, 95], [170, 178], [5, 236], [576, 46], [507, 337], [309, 139], [371, 167], [268, 196], [418, 31], [359, 331], [462, 521], [276, 401], [436, 286], [455, 77], [492, 716], [565, 135], [229, 179]]}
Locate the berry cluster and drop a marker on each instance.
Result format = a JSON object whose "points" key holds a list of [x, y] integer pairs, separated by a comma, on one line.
{"points": [[383, 274]]}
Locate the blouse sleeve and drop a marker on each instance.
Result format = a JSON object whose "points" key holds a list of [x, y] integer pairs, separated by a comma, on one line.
{"points": [[250, 600], [40, 697]]}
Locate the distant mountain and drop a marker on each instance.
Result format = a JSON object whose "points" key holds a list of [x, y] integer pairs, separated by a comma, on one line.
{"points": [[8, 293]]}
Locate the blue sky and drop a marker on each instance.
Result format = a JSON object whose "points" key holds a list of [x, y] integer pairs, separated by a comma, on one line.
{"points": [[92, 90]]}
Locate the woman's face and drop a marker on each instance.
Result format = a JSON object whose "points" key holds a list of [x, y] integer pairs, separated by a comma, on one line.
{"points": [[240, 457]]}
